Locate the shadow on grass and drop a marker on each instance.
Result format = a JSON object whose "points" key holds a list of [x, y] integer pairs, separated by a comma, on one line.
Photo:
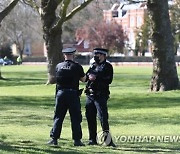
{"points": [[16, 103], [126, 102], [22, 82], [31, 149], [23, 78], [25, 111], [2, 78], [139, 103], [134, 101], [26, 101]]}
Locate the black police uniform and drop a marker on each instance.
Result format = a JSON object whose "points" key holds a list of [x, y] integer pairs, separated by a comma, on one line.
{"points": [[97, 95], [68, 74]]}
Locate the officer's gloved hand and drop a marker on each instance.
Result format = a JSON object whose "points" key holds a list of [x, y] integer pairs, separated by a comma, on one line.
{"points": [[80, 91], [92, 77]]}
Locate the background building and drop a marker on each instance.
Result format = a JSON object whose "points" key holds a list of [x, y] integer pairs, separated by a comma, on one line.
{"points": [[130, 17]]}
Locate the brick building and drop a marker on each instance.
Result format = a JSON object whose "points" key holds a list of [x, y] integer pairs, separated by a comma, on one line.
{"points": [[129, 16]]}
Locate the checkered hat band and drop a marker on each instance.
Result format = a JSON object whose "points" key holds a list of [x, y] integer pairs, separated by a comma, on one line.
{"points": [[100, 51]]}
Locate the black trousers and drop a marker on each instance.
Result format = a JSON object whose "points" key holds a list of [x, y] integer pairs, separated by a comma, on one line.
{"points": [[67, 99], [94, 106]]}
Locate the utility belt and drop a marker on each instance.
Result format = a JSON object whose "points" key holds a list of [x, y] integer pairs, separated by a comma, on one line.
{"points": [[93, 93], [78, 91], [67, 89]]}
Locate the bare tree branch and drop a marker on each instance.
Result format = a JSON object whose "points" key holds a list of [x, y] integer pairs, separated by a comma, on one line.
{"points": [[63, 11], [62, 14], [33, 4], [7, 10], [77, 9], [46, 4]]}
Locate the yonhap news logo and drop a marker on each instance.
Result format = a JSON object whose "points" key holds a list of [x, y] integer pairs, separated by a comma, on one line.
{"points": [[147, 139], [104, 138]]}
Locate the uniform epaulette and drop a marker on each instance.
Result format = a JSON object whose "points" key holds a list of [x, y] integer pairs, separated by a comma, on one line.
{"points": [[94, 63], [75, 62]]}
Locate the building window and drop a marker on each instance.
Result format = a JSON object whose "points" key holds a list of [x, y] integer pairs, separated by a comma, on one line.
{"points": [[123, 12], [132, 22], [139, 21], [114, 13]]}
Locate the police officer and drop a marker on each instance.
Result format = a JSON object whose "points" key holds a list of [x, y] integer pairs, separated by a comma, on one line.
{"points": [[68, 74], [99, 76]]}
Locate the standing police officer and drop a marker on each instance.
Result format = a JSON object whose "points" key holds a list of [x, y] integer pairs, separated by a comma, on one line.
{"points": [[99, 76], [68, 74]]}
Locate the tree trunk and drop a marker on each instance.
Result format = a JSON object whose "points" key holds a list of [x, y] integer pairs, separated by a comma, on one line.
{"points": [[54, 48], [52, 38], [52, 28], [164, 68]]}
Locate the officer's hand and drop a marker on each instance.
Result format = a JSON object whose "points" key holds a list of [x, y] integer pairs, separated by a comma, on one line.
{"points": [[92, 77]]}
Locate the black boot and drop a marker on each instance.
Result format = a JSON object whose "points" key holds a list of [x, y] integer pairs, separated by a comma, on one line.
{"points": [[78, 143], [53, 142], [92, 142]]}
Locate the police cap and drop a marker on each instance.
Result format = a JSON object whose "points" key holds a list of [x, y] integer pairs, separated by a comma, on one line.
{"points": [[100, 50], [69, 50]]}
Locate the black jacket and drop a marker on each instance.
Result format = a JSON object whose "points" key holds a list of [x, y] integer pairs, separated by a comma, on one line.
{"points": [[104, 77], [68, 74]]}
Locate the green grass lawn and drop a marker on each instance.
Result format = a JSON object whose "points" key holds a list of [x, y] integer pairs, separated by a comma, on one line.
{"points": [[27, 105]]}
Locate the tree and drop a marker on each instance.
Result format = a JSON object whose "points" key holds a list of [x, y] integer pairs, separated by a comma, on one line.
{"points": [[4, 13], [102, 34], [164, 68], [52, 27], [54, 13], [93, 11], [21, 26]]}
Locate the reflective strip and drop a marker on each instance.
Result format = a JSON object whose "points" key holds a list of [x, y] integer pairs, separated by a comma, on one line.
{"points": [[100, 51]]}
